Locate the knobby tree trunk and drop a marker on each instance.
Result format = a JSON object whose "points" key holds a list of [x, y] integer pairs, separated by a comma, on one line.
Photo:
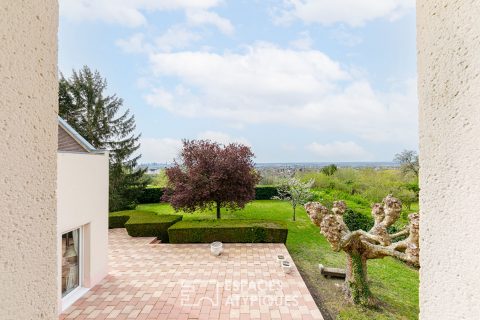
{"points": [[356, 282], [218, 210], [294, 213]]}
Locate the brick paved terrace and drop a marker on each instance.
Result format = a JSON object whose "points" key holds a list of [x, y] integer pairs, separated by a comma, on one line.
{"points": [[184, 281]]}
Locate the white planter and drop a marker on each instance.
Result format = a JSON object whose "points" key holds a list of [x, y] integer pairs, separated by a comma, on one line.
{"points": [[216, 248], [286, 266], [280, 259]]}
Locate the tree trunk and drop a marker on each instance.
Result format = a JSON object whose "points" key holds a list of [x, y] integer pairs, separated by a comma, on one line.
{"points": [[218, 210], [356, 282], [294, 214]]}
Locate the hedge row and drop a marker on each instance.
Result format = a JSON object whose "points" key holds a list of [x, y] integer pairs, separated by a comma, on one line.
{"points": [[143, 223], [265, 192], [228, 231], [153, 195]]}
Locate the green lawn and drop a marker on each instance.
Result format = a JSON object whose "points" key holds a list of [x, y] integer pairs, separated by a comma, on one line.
{"points": [[394, 283]]}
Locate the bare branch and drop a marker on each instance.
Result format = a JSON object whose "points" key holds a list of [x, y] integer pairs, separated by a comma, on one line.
{"points": [[399, 234], [360, 235]]}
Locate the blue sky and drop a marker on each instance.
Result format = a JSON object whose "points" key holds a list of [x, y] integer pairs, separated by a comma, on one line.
{"points": [[297, 80]]}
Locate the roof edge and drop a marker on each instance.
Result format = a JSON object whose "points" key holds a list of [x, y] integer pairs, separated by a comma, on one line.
{"points": [[77, 137]]}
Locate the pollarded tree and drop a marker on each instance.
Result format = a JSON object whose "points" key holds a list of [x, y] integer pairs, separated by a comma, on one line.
{"points": [[296, 192], [211, 175], [360, 245]]}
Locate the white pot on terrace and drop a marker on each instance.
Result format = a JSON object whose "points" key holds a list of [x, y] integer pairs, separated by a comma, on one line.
{"points": [[216, 248], [286, 266], [280, 259]]}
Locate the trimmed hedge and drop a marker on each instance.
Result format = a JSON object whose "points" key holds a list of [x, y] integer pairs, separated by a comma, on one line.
{"points": [[154, 194], [119, 221], [228, 231], [151, 195], [143, 223], [265, 192]]}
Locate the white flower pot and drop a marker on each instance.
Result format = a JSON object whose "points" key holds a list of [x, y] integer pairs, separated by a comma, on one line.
{"points": [[286, 266], [280, 259], [216, 248]]}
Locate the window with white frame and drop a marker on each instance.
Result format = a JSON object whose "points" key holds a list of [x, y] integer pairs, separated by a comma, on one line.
{"points": [[71, 261]]}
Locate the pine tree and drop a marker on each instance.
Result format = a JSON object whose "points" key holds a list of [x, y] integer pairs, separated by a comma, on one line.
{"points": [[99, 119]]}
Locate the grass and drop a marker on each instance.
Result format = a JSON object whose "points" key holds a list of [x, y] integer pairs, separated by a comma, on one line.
{"points": [[392, 282]]}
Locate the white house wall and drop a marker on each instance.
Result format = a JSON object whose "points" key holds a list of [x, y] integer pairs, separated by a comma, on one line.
{"points": [[448, 41], [82, 200], [28, 149]]}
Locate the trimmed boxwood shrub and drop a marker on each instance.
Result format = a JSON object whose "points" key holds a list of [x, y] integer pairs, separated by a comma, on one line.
{"points": [[228, 231], [265, 192], [115, 221], [154, 194], [143, 223], [151, 195]]}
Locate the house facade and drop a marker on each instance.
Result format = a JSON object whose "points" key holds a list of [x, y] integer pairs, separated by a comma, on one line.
{"points": [[82, 215]]}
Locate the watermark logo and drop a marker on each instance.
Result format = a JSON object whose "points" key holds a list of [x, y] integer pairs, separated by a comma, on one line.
{"points": [[195, 293]]}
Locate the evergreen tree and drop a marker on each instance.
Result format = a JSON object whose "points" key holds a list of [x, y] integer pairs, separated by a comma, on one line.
{"points": [[99, 119]]}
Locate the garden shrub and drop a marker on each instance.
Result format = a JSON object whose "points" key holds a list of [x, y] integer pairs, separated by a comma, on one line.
{"points": [[143, 223], [151, 195], [356, 221], [154, 194], [229, 231], [265, 192], [117, 221]]}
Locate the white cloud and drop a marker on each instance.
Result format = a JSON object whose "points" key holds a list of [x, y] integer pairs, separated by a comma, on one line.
{"points": [[162, 150], [267, 84], [204, 17], [339, 151], [351, 12], [346, 38], [165, 150], [176, 37], [222, 138], [130, 13], [135, 44], [304, 41]]}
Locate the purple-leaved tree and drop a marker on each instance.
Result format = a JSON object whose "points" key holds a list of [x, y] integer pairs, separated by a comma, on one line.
{"points": [[209, 175]]}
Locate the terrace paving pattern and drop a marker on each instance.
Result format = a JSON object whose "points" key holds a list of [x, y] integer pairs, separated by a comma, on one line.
{"points": [[184, 281]]}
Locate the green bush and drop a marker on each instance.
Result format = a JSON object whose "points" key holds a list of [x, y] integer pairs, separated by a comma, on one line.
{"points": [[143, 223], [265, 192], [154, 194], [229, 231], [151, 195], [117, 221], [357, 221], [329, 170]]}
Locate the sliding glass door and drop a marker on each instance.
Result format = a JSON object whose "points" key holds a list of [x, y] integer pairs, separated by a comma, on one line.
{"points": [[71, 261]]}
